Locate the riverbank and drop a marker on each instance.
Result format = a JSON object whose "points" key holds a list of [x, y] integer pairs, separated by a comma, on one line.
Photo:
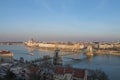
{"points": [[53, 49], [108, 52]]}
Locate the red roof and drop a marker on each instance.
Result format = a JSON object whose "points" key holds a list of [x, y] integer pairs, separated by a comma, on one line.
{"points": [[59, 70], [34, 69], [69, 70], [79, 73]]}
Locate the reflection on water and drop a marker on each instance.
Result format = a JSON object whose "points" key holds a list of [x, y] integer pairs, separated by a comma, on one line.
{"points": [[108, 63], [89, 59]]}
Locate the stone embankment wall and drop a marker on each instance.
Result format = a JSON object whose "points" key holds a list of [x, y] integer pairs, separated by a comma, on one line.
{"points": [[72, 47]]}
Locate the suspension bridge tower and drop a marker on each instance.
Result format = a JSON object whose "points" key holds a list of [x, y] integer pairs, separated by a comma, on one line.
{"points": [[89, 51]]}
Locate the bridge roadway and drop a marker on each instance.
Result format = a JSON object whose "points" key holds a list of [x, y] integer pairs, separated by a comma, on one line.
{"points": [[68, 53], [71, 60]]}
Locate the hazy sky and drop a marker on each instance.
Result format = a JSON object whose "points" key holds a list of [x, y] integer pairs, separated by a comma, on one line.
{"points": [[63, 20]]}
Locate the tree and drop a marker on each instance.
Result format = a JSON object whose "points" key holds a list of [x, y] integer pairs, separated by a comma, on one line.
{"points": [[1, 78], [103, 76], [10, 75]]}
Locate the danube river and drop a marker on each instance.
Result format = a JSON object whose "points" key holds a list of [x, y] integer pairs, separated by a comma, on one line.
{"points": [[110, 64]]}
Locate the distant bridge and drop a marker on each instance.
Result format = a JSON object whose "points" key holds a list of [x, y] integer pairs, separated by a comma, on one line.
{"points": [[10, 43]]}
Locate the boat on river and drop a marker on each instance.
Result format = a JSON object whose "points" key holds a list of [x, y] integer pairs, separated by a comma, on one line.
{"points": [[6, 53]]}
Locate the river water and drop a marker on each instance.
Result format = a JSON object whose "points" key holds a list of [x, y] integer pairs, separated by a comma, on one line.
{"points": [[110, 64]]}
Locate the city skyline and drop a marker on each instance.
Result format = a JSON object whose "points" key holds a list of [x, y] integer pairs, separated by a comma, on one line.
{"points": [[60, 20]]}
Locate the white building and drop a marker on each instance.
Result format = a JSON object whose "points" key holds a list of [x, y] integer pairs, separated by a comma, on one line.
{"points": [[106, 46]]}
